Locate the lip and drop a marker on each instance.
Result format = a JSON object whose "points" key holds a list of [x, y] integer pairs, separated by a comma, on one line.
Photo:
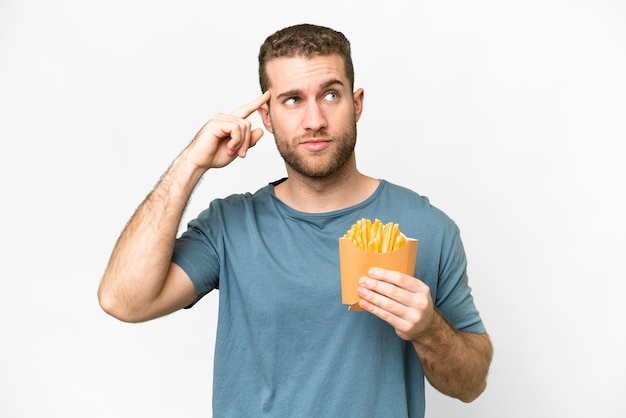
{"points": [[315, 144]]}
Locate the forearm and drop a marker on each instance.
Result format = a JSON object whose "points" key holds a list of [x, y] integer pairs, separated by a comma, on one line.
{"points": [[141, 257], [454, 362]]}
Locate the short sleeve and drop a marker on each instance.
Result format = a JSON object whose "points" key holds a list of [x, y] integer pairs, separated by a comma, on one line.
{"points": [[454, 296], [196, 251]]}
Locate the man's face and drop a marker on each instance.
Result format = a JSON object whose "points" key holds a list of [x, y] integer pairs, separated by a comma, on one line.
{"points": [[312, 113]]}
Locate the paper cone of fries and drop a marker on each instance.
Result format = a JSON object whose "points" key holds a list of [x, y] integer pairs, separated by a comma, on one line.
{"points": [[358, 254]]}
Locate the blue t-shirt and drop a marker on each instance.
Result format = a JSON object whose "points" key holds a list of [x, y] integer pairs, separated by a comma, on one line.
{"points": [[286, 346]]}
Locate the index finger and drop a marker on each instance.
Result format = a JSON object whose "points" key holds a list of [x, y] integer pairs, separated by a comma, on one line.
{"points": [[397, 278], [248, 109]]}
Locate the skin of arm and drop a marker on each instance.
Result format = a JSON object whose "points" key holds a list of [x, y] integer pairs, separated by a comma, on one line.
{"points": [[140, 282], [455, 362]]}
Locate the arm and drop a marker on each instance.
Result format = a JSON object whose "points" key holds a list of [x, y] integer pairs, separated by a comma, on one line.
{"points": [[454, 362], [140, 281]]}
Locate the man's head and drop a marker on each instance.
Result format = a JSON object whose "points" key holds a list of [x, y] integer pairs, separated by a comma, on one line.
{"points": [[308, 41], [314, 110]]}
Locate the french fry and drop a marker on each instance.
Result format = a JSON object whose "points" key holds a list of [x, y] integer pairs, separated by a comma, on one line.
{"points": [[375, 236]]}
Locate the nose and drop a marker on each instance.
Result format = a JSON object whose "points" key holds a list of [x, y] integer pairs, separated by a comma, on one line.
{"points": [[314, 117]]}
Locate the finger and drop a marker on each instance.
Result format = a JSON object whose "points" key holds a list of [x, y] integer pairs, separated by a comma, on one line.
{"points": [[384, 308], [404, 325], [240, 138], [249, 108], [388, 290], [384, 295], [403, 316], [245, 145], [396, 278], [255, 135]]}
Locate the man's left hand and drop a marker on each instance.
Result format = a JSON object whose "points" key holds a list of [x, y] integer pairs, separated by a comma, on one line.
{"points": [[399, 299]]}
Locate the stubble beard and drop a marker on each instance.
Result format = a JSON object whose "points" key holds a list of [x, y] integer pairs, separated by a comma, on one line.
{"points": [[317, 166]]}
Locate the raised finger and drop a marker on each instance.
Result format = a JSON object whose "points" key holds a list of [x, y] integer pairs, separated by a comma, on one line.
{"points": [[249, 108]]}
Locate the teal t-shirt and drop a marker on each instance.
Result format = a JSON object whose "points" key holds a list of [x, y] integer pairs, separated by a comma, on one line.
{"points": [[286, 346]]}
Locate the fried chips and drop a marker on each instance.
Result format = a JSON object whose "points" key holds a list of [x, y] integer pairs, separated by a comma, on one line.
{"points": [[375, 236]]}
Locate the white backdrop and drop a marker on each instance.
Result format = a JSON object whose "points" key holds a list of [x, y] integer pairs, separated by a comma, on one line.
{"points": [[509, 115]]}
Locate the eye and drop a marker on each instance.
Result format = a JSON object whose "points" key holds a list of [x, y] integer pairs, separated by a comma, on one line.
{"points": [[292, 101], [331, 96]]}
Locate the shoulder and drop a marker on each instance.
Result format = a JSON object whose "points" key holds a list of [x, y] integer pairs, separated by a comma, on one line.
{"points": [[241, 200], [416, 211], [412, 200], [402, 192]]}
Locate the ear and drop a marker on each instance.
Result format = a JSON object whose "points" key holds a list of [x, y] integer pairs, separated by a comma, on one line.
{"points": [[358, 103], [264, 112]]}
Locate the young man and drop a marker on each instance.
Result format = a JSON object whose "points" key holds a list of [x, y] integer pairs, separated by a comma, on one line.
{"points": [[286, 346]]}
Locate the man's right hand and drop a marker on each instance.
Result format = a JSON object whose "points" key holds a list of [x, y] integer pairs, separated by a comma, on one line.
{"points": [[226, 136], [141, 282]]}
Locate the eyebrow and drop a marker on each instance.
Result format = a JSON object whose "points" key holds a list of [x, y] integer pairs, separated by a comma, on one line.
{"points": [[297, 92]]}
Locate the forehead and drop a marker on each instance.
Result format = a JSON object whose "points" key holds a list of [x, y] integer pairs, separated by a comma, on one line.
{"points": [[303, 73]]}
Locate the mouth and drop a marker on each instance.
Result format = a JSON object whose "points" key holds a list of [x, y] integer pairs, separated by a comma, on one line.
{"points": [[315, 144]]}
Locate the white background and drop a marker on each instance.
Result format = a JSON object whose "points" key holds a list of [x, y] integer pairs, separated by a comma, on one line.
{"points": [[508, 115]]}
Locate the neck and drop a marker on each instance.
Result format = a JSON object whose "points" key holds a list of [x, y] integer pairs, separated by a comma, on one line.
{"points": [[343, 189]]}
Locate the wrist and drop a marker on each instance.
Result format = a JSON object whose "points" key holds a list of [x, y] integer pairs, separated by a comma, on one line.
{"points": [[435, 334], [185, 169], [181, 177]]}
